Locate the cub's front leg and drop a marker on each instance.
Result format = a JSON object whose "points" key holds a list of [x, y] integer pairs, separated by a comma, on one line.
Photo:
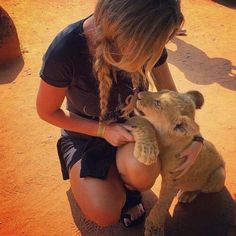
{"points": [[154, 225], [146, 147]]}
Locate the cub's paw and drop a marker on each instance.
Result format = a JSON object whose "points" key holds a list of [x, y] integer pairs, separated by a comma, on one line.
{"points": [[153, 230], [187, 197], [146, 153]]}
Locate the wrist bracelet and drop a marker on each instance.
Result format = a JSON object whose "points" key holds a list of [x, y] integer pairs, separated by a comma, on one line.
{"points": [[101, 129], [199, 139]]}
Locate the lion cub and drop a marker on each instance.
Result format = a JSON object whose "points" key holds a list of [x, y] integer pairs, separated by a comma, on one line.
{"points": [[171, 115]]}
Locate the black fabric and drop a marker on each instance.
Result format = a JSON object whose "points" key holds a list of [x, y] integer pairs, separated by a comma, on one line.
{"points": [[67, 63], [70, 151], [65, 174], [133, 198], [96, 156], [162, 59]]}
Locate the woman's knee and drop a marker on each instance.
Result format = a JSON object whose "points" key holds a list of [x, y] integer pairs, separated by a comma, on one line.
{"points": [[134, 173], [142, 178]]}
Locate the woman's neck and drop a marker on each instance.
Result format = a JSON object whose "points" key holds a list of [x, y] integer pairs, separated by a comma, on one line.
{"points": [[89, 32]]}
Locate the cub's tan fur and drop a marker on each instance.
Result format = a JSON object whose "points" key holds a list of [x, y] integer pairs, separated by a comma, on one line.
{"points": [[169, 130], [146, 146]]}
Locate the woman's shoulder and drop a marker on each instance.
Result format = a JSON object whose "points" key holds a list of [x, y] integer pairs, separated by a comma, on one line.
{"points": [[67, 42], [62, 56]]}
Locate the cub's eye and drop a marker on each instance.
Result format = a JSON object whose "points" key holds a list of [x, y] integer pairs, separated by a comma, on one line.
{"points": [[157, 103]]}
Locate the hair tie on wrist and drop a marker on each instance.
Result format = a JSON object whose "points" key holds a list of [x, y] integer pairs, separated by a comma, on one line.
{"points": [[198, 138], [101, 129]]}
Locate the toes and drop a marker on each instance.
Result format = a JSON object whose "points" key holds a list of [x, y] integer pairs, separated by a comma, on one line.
{"points": [[135, 212], [127, 221], [141, 208]]}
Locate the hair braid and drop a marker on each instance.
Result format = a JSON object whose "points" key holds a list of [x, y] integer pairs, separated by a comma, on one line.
{"points": [[104, 79]]}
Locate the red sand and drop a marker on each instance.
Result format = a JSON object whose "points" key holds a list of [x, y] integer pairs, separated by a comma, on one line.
{"points": [[33, 197]]}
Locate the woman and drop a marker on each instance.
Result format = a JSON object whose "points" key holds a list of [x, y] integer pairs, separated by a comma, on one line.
{"points": [[96, 63]]}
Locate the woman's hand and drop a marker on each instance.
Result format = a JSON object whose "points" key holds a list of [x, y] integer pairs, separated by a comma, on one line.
{"points": [[118, 134], [190, 154]]}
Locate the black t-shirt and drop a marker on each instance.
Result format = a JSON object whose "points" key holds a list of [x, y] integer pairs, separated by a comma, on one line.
{"points": [[68, 63]]}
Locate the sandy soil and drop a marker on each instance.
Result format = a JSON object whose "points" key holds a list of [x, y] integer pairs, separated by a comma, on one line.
{"points": [[33, 198]]}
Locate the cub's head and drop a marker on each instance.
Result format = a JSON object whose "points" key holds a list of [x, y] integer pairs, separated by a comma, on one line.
{"points": [[170, 112]]}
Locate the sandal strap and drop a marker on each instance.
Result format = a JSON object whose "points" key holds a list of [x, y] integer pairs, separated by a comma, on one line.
{"points": [[133, 198]]}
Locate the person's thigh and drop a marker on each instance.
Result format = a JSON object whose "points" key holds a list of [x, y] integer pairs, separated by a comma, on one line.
{"points": [[135, 174], [101, 201]]}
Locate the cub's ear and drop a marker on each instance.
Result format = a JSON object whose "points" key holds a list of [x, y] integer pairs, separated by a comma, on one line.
{"points": [[197, 97], [186, 126]]}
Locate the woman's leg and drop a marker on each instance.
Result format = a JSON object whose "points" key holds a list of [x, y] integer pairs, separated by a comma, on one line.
{"points": [[135, 174], [101, 201]]}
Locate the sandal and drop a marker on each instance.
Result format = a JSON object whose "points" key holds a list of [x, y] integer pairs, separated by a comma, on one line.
{"points": [[133, 198]]}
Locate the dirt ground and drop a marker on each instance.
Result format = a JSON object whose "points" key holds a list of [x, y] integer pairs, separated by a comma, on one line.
{"points": [[34, 200]]}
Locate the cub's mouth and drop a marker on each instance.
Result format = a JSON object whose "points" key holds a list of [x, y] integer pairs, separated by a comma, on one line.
{"points": [[138, 112]]}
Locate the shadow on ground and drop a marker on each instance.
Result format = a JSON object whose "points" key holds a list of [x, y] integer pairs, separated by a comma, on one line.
{"points": [[87, 228], [9, 72], [208, 215], [227, 3], [206, 70], [211, 214]]}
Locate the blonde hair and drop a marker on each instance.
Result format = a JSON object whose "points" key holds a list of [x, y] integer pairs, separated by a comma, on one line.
{"points": [[131, 35]]}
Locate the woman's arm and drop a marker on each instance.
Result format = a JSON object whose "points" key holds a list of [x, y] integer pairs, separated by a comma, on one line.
{"points": [[49, 101], [163, 78]]}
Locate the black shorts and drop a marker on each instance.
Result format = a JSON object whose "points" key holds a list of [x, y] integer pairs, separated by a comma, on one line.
{"points": [[96, 156]]}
